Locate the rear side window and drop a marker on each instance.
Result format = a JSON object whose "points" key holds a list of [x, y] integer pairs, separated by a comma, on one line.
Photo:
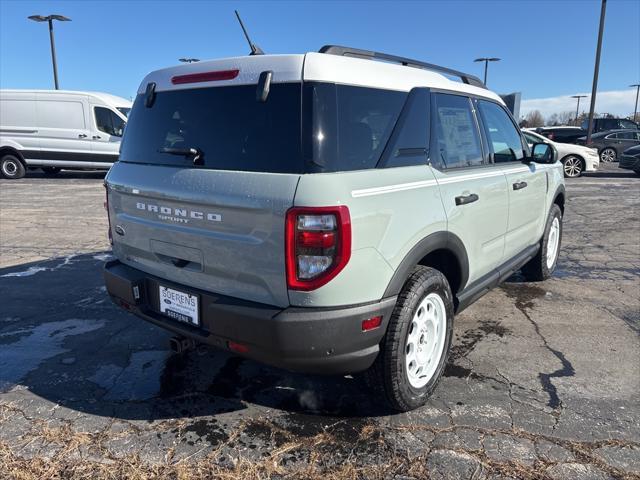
{"points": [[231, 129], [457, 141], [410, 138], [346, 127], [503, 135], [627, 135]]}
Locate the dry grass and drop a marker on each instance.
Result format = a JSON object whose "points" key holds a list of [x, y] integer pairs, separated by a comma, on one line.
{"points": [[55, 450]]}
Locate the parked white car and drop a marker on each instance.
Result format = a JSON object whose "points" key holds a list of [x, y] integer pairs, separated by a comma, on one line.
{"points": [[54, 129], [575, 158]]}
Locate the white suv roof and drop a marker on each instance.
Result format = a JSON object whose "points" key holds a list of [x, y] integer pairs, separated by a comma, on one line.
{"points": [[313, 66]]}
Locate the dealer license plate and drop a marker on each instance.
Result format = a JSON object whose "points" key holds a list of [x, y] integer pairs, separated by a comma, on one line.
{"points": [[179, 305]]}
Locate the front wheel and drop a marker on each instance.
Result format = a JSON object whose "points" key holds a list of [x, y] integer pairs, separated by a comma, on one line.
{"points": [[608, 155], [572, 166], [544, 263], [414, 351], [11, 167]]}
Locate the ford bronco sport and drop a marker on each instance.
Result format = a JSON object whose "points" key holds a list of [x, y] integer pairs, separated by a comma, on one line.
{"points": [[326, 212]]}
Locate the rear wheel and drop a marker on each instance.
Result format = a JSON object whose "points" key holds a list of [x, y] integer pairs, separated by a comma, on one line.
{"points": [[51, 170], [414, 351], [11, 167], [608, 155], [544, 263], [573, 166]]}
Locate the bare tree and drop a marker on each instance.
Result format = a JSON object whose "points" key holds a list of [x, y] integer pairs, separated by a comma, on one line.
{"points": [[565, 118], [534, 119]]}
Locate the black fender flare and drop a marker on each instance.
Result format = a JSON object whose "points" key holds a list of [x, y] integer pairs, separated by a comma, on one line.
{"points": [[560, 191], [435, 241]]}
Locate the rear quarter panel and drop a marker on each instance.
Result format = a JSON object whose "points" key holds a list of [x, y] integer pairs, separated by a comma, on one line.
{"points": [[391, 210]]}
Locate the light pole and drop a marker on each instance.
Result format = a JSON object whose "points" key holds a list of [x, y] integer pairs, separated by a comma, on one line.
{"points": [[188, 60], [603, 10], [486, 61], [578, 106], [635, 110], [50, 19]]}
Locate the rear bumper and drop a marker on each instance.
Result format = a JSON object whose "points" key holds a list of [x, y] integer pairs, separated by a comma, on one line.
{"points": [[312, 340]]}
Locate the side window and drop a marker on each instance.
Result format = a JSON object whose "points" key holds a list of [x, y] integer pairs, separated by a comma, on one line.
{"points": [[410, 138], [502, 133], [611, 136], [456, 141], [627, 135], [108, 122]]}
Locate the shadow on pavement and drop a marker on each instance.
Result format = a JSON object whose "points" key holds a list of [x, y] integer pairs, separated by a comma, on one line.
{"points": [[63, 339]]}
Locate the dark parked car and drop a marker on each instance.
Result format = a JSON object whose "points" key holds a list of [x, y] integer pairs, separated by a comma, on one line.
{"points": [[561, 134], [604, 124], [611, 144], [630, 159]]}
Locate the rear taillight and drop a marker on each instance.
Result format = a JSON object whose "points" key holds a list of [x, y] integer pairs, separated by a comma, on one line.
{"points": [[318, 245], [106, 207]]}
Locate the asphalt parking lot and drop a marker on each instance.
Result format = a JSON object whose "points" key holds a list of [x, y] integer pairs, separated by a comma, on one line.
{"points": [[543, 382]]}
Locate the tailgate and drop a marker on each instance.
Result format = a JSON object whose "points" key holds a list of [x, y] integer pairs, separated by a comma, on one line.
{"points": [[220, 231]]}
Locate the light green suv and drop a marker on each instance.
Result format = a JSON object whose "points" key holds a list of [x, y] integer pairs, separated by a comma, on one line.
{"points": [[326, 212]]}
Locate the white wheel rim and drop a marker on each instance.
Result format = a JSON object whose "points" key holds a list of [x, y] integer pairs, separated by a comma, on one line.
{"points": [[10, 168], [608, 155], [425, 340], [553, 242], [572, 167]]}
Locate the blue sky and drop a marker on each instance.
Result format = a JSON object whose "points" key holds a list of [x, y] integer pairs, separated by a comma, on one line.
{"points": [[547, 46]]}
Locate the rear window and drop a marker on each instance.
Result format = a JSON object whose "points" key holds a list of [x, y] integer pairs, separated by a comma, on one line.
{"points": [[231, 129], [321, 127]]}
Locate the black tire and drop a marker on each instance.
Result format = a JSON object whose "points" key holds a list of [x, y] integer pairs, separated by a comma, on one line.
{"points": [[51, 170], [538, 269], [11, 167], [388, 375]]}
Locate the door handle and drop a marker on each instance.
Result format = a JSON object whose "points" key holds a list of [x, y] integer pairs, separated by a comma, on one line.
{"points": [[95, 137], [519, 185], [82, 135], [464, 199]]}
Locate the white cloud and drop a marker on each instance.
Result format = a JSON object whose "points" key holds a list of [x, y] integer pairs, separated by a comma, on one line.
{"points": [[617, 102]]}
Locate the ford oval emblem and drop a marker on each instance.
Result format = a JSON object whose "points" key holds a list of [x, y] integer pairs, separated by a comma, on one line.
{"points": [[168, 302], [119, 230]]}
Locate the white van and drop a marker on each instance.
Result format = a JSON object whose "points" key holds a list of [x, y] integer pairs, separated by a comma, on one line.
{"points": [[54, 129]]}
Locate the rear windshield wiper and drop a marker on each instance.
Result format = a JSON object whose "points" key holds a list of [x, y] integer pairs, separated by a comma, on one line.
{"points": [[196, 153]]}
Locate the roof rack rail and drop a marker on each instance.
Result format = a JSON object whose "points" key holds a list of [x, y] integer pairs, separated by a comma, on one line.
{"points": [[408, 62]]}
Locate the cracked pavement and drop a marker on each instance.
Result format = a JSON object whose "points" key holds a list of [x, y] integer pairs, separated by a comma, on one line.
{"points": [[543, 379]]}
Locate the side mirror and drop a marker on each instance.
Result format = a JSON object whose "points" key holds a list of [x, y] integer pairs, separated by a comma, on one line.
{"points": [[543, 153]]}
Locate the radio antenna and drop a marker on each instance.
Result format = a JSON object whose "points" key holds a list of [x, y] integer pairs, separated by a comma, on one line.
{"points": [[255, 50]]}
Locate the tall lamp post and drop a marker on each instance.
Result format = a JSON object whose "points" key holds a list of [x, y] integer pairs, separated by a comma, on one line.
{"points": [[486, 61], [50, 19], [578, 106], [596, 70], [188, 60], [635, 110]]}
